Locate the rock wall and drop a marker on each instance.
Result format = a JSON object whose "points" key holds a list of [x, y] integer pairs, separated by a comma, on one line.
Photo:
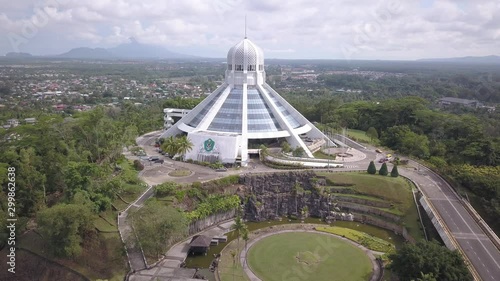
{"points": [[209, 221], [268, 196], [284, 194]]}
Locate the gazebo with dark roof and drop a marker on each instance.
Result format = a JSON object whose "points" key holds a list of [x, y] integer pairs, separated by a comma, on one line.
{"points": [[200, 244]]}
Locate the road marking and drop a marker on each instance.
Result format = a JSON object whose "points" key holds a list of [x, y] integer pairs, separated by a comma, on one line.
{"points": [[479, 240]]}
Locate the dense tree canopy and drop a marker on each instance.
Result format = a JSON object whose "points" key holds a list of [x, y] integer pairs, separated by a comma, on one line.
{"points": [[428, 258], [64, 226], [157, 226]]}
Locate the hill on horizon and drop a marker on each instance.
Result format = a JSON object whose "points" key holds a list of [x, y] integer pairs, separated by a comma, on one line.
{"points": [[131, 50], [473, 59]]}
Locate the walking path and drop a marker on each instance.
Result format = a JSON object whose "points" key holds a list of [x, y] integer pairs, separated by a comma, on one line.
{"points": [[169, 267]]}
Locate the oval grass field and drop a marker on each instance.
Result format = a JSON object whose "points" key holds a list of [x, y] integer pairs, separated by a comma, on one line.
{"points": [[308, 256]]}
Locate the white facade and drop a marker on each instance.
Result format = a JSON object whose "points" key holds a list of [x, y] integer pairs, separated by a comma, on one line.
{"points": [[244, 107]]}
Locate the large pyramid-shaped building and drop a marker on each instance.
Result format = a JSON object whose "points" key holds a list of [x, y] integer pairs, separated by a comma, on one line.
{"points": [[243, 110]]}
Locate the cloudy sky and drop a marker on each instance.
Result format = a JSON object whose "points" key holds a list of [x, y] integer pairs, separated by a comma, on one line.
{"points": [[335, 29]]}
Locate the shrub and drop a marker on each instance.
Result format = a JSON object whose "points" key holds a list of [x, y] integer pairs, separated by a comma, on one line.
{"points": [[214, 204], [394, 172], [196, 184], [138, 166], [372, 170], [383, 170], [166, 189]]}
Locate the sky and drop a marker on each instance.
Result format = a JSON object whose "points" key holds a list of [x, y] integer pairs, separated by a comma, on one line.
{"points": [[296, 29]]}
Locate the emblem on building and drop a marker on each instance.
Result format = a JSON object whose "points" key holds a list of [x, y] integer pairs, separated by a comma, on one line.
{"points": [[209, 145]]}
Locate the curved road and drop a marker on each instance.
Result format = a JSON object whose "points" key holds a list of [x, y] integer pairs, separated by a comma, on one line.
{"points": [[477, 246]]}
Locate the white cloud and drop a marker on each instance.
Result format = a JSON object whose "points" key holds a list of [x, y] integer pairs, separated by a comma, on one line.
{"points": [[295, 28]]}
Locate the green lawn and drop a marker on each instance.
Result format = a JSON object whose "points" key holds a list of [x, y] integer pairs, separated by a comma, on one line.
{"points": [[310, 256], [365, 197], [361, 136], [180, 173], [321, 155], [394, 190], [230, 269]]}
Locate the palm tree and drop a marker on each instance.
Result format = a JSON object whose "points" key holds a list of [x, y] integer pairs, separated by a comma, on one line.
{"points": [[238, 226], [184, 145], [170, 145], [245, 236]]}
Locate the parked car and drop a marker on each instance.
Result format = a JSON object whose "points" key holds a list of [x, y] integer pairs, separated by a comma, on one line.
{"points": [[159, 161], [154, 158], [378, 150], [221, 169], [382, 160]]}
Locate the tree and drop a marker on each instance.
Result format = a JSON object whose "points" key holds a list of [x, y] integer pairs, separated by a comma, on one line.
{"points": [[383, 170], [64, 226], [298, 152], [285, 147], [239, 227], [372, 170], [372, 133], [184, 145], [412, 261], [426, 277], [157, 226], [245, 236], [170, 145], [394, 171]]}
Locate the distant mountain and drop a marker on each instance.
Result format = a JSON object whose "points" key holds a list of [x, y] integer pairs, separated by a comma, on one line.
{"points": [[87, 53], [485, 59], [131, 50], [18, 55], [135, 49]]}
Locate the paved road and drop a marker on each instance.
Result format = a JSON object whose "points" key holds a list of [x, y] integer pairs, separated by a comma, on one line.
{"points": [[481, 252], [479, 249]]}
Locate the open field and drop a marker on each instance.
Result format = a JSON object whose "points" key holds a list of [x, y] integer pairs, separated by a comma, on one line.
{"points": [[312, 256]]}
